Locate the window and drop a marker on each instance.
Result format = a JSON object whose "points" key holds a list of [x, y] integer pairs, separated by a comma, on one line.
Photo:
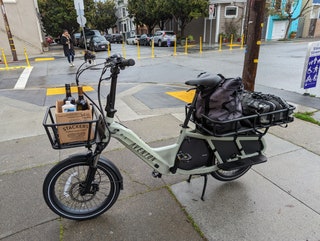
{"points": [[124, 12], [231, 12]]}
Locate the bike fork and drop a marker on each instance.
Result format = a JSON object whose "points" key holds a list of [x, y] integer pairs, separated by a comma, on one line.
{"points": [[88, 185]]}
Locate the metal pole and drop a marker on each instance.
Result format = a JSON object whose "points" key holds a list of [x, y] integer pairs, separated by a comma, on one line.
{"points": [[11, 43]]}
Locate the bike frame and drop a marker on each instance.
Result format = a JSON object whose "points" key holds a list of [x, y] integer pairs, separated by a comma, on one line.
{"points": [[163, 159]]}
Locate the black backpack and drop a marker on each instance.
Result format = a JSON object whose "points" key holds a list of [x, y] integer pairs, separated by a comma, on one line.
{"points": [[220, 103]]}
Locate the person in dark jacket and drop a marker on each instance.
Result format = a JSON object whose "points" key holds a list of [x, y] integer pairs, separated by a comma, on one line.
{"points": [[68, 48]]}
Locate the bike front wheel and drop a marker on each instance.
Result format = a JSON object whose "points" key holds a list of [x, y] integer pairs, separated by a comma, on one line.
{"points": [[63, 188]]}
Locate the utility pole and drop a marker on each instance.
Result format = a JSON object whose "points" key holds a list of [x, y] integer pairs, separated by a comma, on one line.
{"points": [[254, 25], [11, 43]]}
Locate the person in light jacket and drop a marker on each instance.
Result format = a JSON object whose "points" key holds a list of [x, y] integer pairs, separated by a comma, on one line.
{"points": [[68, 48]]}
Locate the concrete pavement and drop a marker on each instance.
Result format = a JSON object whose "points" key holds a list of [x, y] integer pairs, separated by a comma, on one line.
{"points": [[277, 200]]}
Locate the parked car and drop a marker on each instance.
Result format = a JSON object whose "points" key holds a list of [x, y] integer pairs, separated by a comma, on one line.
{"points": [[108, 37], [99, 43], [133, 40], [117, 38], [88, 34], [49, 39], [76, 38], [162, 38], [145, 39]]}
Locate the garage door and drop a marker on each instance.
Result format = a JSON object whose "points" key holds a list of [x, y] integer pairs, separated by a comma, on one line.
{"points": [[279, 29]]}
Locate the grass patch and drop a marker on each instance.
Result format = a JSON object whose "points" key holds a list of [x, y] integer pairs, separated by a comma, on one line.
{"points": [[307, 116]]}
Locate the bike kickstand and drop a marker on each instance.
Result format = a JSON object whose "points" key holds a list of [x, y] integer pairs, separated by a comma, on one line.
{"points": [[189, 179], [204, 186], [205, 176]]}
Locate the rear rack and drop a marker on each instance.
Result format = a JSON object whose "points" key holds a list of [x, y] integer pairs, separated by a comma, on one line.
{"points": [[257, 123], [51, 127]]}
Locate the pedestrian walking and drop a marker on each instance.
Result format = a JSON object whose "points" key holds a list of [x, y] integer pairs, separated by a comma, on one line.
{"points": [[68, 48]]}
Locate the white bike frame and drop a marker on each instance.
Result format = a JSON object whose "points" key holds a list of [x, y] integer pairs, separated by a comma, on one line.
{"points": [[161, 159]]}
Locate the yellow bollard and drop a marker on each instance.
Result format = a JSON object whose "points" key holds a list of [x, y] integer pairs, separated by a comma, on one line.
{"points": [[231, 40], [200, 45], [220, 43], [138, 48], [4, 59], [123, 50], [242, 40], [27, 59], [175, 48], [152, 48], [186, 47], [109, 53]]}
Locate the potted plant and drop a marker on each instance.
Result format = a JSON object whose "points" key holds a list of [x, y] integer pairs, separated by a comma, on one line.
{"points": [[191, 40], [293, 34]]}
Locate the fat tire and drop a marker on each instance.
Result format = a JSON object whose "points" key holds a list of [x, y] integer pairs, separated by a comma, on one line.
{"points": [[226, 176], [67, 170]]}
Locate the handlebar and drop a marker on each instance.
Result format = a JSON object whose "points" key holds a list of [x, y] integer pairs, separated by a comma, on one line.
{"points": [[118, 60]]}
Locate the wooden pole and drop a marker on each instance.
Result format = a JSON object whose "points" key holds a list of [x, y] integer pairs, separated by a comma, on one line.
{"points": [[254, 26], [11, 43]]}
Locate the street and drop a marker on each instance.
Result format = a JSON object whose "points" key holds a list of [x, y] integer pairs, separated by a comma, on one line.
{"points": [[279, 71]]}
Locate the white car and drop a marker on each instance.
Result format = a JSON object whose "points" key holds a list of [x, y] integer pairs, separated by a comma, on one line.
{"points": [[163, 38], [133, 40]]}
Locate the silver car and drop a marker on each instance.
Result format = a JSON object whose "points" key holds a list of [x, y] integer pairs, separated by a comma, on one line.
{"points": [[164, 38]]}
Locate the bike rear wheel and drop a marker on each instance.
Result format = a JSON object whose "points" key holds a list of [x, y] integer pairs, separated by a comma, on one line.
{"points": [[226, 176], [63, 186]]}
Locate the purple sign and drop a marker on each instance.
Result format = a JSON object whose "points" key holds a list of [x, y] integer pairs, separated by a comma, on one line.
{"points": [[312, 72]]}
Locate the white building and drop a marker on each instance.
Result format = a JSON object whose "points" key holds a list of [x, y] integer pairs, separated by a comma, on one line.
{"points": [[24, 25]]}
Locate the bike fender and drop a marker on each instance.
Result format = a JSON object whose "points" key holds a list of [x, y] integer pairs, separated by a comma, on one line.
{"points": [[114, 168], [105, 161]]}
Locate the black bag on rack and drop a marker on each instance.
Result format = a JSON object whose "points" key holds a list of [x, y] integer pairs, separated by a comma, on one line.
{"points": [[259, 103], [222, 103]]}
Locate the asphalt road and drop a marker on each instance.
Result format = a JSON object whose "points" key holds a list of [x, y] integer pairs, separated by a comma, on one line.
{"points": [[279, 71]]}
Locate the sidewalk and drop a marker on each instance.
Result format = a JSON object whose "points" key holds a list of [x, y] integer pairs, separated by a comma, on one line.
{"points": [[278, 200]]}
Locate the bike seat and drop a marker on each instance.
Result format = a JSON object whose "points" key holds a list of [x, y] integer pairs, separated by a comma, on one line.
{"points": [[205, 79]]}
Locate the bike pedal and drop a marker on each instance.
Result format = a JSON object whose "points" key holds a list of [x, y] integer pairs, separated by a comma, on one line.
{"points": [[156, 174]]}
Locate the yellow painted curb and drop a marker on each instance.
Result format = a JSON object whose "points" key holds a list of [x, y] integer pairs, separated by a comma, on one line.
{"points": [[61, 90], [183, 95], [13, 67], [43, 59]]}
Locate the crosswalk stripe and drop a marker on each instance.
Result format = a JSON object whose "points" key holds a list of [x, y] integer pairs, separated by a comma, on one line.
{"points": [[23, 79]]}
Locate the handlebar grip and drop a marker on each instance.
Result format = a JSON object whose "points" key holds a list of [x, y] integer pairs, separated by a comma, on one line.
{"points": [[128, 62]]}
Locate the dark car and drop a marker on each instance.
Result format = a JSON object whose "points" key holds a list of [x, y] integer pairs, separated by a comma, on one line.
{"points": [[109, 37], [145, 39], [117, 38], [99, 43], [76, 38], [89, 33]]}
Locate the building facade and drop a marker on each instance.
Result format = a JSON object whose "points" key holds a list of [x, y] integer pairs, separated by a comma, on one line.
{"points": [[23, 20]]}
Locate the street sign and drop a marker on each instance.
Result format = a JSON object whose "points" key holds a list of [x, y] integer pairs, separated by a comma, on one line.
{"points": [[81, 20], [211, 11], [78, 4], [311, 67]]}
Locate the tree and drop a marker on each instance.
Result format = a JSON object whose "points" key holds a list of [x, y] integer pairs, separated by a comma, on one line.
{"points": [[105, 15], [57, 15], [286, 10], [147, 12], [184, 11]]}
